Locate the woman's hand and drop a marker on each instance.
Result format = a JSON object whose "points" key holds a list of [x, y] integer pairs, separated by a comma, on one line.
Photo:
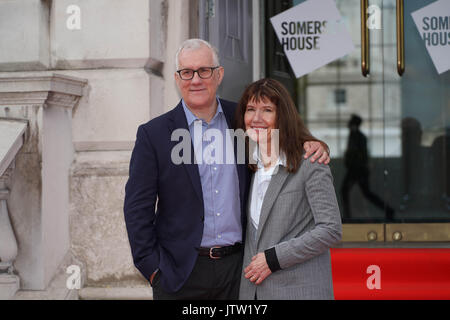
{"points": [[257, 270], [316, 148]]}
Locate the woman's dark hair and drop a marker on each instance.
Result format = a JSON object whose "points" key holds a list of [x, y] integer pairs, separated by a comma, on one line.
{"points": [[292, 131]]}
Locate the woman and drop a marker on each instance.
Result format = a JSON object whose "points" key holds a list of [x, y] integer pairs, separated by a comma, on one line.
{"points": [[293, 216]]}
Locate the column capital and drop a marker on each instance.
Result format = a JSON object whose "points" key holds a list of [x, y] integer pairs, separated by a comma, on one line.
{"points": [[40, 88]]}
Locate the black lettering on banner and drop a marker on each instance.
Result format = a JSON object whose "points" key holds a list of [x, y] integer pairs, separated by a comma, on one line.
{"points": [[301, 35], [317, 26], [292, 29], [310, 45], [285, 43], [437, 28], [301, 27], [443, 22], [425, 22], [433, 22], [426, 37], [436, 38], [285, 31], [437, 23], [293, 44]]}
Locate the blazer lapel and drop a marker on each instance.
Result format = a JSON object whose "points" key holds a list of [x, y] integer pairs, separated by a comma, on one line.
{"points": [[270, 197], [179, 122]]}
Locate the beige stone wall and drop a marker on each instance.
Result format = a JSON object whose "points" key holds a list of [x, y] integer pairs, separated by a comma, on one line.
{"points": [[97, 226]]}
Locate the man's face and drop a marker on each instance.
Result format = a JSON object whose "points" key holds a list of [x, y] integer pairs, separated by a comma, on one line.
{"points": [[198, 93]]}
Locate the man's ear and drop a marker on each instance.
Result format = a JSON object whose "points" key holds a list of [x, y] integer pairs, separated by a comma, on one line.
{"points": [[177, 79], [220, 72]]}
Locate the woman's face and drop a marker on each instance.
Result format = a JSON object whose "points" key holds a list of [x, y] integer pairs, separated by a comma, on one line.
{"points": [[260, 119]]}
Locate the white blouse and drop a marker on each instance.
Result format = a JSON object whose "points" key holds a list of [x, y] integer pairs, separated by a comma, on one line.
{"points": [[260, 184]]}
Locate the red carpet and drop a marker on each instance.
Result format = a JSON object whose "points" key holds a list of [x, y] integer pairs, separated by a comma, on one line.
{"points": [[367, 274]]}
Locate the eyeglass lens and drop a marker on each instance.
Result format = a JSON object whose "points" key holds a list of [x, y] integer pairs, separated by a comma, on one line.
{"points": [[204, 73]]}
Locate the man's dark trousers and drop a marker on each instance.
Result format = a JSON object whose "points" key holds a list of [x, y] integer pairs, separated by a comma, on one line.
{"points": [[211, 279]]}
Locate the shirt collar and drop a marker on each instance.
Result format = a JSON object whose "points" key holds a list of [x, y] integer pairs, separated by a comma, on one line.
{"points": [[190, 117], [280, 161]]}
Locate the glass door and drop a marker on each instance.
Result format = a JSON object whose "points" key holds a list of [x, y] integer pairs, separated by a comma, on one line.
{"points": [[388, 129], [346, 109], [417, 130]]}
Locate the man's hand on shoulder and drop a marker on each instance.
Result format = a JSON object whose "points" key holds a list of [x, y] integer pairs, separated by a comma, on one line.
{"points": [[317, 151]]}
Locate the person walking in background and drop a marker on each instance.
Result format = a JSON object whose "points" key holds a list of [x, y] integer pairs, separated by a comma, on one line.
{"points": [[356, 160]]}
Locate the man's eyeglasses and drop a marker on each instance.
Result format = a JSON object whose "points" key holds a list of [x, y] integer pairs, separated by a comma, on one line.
{"points": [[203, 72]]}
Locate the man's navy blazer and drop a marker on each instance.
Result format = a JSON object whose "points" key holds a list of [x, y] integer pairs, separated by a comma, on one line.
{"points": [[164, 211]]}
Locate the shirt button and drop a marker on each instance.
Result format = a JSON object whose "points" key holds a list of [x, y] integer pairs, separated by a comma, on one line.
{"points": [[215, 168], [219, 236], [218, 214], [217, 191]]}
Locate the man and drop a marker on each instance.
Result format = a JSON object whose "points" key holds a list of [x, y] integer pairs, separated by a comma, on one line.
{"points": [[191, 247]]}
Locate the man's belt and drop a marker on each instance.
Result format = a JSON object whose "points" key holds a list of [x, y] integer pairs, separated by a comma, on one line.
{"points": [[219, 252]]}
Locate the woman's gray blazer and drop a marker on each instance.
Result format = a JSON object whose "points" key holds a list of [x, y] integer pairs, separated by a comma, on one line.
{"points": [[300, 219]]}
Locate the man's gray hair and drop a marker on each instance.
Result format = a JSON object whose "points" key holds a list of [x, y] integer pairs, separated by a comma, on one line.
{"points": [[193, 44]]}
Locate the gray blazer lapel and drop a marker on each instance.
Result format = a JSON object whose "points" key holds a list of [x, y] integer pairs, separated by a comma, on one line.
{"points": [[270, 197]]}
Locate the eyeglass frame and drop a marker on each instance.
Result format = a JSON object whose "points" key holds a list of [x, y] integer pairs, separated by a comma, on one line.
{"points": [[197, 71]]}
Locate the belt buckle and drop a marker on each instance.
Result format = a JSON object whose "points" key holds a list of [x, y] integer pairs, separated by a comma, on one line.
{"points": [[210, 253]]}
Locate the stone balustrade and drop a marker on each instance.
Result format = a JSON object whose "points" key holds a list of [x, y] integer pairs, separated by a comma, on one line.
{"points": [[11, 140], [36, 145]]}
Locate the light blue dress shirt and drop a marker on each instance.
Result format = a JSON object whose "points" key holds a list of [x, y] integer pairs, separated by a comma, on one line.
{"points": [[219, 179]]}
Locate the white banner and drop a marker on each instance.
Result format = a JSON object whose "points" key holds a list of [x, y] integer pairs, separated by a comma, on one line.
{"points": [[433, 22], [312, 35]]}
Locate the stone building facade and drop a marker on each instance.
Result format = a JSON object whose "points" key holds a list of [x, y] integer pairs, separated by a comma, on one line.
{"points": [[82, 75]]}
